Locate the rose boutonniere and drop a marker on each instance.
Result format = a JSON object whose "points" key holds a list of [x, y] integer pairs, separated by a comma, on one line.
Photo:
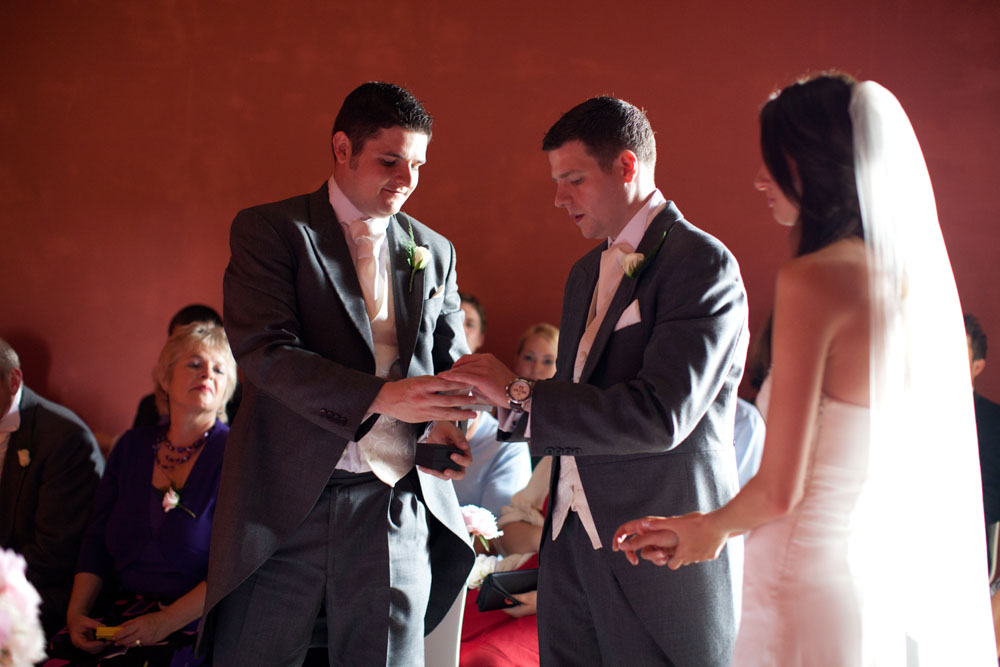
{"points": [[480, 523], [172, 500], [24, 457], [416, 256], [634, 262]]}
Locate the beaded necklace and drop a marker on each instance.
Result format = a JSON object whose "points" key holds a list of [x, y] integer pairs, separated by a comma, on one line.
{"points": [[176, 456]]}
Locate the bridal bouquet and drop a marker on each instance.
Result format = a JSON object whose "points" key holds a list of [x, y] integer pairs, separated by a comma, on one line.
{"points": [[21, 639]]}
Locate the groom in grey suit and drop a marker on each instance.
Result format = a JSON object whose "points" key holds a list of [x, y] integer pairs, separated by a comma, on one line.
{"points": [[639, 416], [340, 309]]}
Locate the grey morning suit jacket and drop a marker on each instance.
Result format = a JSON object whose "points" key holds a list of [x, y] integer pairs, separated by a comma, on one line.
{"points": [[651, 421], [297, 323]]}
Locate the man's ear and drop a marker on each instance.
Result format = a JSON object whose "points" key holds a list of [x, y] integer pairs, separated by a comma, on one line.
{"points": [[341, 144], [977, 367], [14, 380], [629, 163]]}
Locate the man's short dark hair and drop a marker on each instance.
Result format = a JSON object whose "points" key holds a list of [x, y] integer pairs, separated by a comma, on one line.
{"points": [[196, 312], [977, 337], [375, 106], [606, 126], [474, 302]]}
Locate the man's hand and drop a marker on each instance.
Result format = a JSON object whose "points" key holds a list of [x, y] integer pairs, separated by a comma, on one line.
{"points": [[422, 399], [487, 375], [446, 433]]}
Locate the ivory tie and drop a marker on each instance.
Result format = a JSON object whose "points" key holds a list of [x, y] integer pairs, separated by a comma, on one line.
{"points": [[388, 447], [365, 237], [608, 279]]}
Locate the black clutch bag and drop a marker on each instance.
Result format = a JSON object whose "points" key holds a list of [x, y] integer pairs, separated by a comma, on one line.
{"points": [[500, 587]]}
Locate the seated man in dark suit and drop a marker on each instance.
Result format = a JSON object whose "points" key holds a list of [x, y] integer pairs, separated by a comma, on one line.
{"points": [[51, 467]]}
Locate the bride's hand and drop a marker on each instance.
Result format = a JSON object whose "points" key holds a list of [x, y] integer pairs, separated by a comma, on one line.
{"points": [[642, 537], [673, 541]]}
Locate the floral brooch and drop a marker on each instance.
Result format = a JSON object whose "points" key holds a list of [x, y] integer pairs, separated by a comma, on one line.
{"points": [[417, 256]]}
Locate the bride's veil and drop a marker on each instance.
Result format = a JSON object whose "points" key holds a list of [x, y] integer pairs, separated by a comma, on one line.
{"points": [[919, 551]]}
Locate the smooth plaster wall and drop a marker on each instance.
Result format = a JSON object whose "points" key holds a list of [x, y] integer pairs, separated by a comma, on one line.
{"points": [[132, 132]]}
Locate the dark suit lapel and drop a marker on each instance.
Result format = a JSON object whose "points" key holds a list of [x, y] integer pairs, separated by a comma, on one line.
{"points": [[14, 474], [409, 303], [581, 284], [335, 257], [650, 246]]}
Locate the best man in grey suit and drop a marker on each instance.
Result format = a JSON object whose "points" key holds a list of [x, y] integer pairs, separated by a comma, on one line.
{"points": [[340, 309], [640, 413]]}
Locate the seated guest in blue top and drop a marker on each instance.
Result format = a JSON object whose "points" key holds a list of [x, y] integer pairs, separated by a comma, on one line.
{"points": [[144, 557], [501, 469]]}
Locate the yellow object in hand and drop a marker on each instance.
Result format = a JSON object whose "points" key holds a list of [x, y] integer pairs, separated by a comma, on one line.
{"points": [[107, 632]]}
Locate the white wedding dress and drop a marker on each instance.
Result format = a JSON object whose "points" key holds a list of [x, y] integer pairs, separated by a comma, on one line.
{"points": [[800, 601], [883, 562]]}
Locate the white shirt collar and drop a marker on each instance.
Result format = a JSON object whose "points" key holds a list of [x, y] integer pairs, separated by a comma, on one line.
{"points": [[633, 232], [12, 420], [346, 211]]}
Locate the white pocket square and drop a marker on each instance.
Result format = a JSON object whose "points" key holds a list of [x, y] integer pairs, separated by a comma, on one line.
{"points": [[437, 292], [630, 316]]}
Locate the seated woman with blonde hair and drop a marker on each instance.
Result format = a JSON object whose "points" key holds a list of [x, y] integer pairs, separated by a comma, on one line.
{"points": [[140, 582]]}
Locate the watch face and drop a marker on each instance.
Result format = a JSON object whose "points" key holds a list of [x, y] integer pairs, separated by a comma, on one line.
{"points": [[519, 390]]}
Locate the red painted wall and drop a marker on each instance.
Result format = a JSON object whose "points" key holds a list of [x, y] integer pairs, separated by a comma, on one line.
{"points": [[131, 133]]}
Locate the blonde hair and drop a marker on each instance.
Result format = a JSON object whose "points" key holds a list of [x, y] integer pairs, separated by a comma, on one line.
{"points": [[206, 335], [543, 329]]}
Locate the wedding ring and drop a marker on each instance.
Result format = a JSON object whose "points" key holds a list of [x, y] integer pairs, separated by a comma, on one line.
{"points": [[138, 642]]}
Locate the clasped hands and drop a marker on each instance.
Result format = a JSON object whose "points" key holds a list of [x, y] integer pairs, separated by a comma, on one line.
{"points": [[441, 399], [671, 541]]}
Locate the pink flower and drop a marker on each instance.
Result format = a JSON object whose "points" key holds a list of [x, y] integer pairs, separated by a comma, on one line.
{"points": [[21, 638], [480, 522], [172, 500]]}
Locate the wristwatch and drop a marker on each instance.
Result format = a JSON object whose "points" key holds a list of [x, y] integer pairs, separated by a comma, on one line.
{"points": [[518, 393]]}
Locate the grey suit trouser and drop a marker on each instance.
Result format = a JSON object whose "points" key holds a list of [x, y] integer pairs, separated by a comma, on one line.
{"points": [[361, 556], [584, 617]]}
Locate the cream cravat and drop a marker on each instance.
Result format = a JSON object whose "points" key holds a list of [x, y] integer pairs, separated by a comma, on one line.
{"points": [[570, 494], [608, 279], [365, 236], [388, 447]]}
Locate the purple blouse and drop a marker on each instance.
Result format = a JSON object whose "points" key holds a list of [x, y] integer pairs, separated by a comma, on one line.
{"points": [[131, 541]]}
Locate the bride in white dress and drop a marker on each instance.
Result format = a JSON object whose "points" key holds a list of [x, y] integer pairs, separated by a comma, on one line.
{"points": [[864, 522]]}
